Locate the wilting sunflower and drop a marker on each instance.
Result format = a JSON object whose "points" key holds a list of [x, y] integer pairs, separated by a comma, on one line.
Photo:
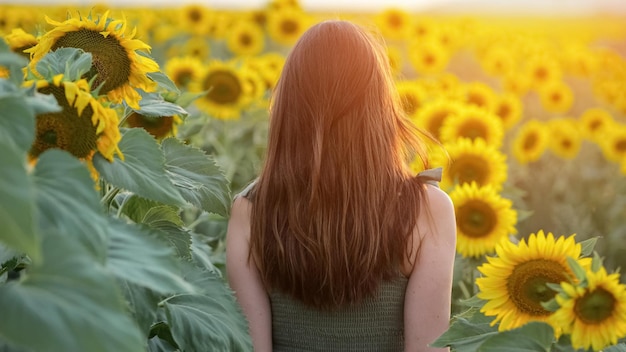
{"points": [[593, 313], [412, 96], [565, 139], [595, 122], [245, 38], [394, 23], [556, 97], [82, 128], [473, 122], [480, 95], [483, 218], [159, 127], [19, 41], [613, 143], [183, 70], [473, 161], [508, 107], [227, 91], [427, 57], [530, 141], [434, 114], [514, 281], [286, 25], [116, 63]]}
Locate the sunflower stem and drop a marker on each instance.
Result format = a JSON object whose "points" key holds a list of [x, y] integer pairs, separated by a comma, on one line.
{"points": [[107, 200]]}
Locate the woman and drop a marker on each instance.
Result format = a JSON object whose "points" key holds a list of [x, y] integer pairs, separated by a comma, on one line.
{"points": [[337, 246]]}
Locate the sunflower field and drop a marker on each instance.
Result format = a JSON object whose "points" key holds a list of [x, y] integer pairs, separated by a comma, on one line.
{"points": [[126, 131]]}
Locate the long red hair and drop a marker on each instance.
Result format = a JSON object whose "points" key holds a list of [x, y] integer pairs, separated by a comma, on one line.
{"points": [[335, 203]]}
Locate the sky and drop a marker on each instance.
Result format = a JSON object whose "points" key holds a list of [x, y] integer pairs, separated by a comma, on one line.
{"points": [[551, 7]]}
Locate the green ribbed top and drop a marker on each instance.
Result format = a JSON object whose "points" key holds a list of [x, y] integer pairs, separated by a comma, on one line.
{"points": [[377, 324]]}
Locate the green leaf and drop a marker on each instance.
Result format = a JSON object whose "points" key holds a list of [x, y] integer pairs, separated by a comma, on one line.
{"points": [[531, 337], [620, 347], [13, 62], [211, 322], [17, 202], [187, 98], [156, 344], [578, 270], [596, 262], [467, 332], [153, 105], [73, 63], [162, 80], [196, 176], [142, 304], [142, 171], [587, 246], [67, 303], [18, 121], [67, 200], [136, 255]]}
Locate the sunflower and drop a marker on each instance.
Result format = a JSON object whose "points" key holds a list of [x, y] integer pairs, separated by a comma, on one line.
{"points": [[422, 29], [286, 25], [434, 114], [508, 107], [227, 93], [183, 70], [4, 72], [412, 96], [593, 313], [565, 139], [245, 38], [159, 127], [516, 83], [195, 46], [473, 161], [498, 61], [556, 97], [542, 69], [613, 143], [117, 65], [530, 141], [483, 218], [19, 41], [595, 123], [395, 59], [514, 281], [428, 57], [195, 18], [83, 126], [393, 23], [479, 94], [473, 122], [269, 65]]}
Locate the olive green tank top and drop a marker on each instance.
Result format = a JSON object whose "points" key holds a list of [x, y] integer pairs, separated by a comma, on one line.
{"points": [[376, 324]]}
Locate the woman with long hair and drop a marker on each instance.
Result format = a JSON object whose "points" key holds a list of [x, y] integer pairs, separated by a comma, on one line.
{"points": [[337, 245]]}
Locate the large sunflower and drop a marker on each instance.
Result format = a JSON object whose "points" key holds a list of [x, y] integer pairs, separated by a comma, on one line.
{"points": [[514, 281], [473, 122], [530, 141], [565, 139], [472, 161], [116, 65], [483, 218], [83, 126], [593, 313], [19, 41], [183, 70]]}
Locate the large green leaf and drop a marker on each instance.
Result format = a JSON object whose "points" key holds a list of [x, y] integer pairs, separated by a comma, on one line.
{"points": [[620, 347], [532, 337], [13, 62], [69, 302], [17, 202], [142, 303], [73, 63], [67, 200], [153, 105], [142, 171], [156, 344], [467, 332], [18, 120], [210, 322], [138, 256], [196, 176]]}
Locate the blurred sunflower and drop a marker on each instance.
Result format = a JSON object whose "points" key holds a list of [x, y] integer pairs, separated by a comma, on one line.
{"points": [[556, 97], [194, 18], [480, 95], [483, 218], [473, 161], [514, 283], [196, 46], [412, 97], [593, 313], [183, 70], [508, 107], [595, 123], [4, 73], [516, 83], [159, 126], [473, 122], [395, 59], [269, 65], [286, 25], [565, 139], [116, 63], [434, 114], [256, 87], [422, 29], [613, 143], [83, 126], [226, 91], [19, 41], [394, 23], [542, 69], [245, 38], [530, 141], [498, 61], [427, 57]]}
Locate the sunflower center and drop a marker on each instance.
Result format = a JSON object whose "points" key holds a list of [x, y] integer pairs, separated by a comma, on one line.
{"points": [[409, 103], [110, 61], [473, 129], [595, 306], [289, 26], [225, 88], [194, 15], [541, 73], [530, 141], [595, 125], [620, 146], [527, 285], [245, 39], [566, 143], [183, 77], [469, 168], [476, 219], [436, 121], [428, 59], [66, 129], [556, 97], [504, 111], [476, 99], [395, 21]]}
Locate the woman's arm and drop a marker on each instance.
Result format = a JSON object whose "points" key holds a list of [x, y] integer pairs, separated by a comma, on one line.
{"points": [[244, 278], [428, 294]]}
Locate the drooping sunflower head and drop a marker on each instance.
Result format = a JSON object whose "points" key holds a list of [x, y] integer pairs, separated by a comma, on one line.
{"points": [[245, 38], [19, 41], [556, 97], [83, 126], [117, 65], [530, 141], [473, 123], [473, 161], [394, 23], [565, 138], [514, 283], [159, 126], [183, 70], [592, 312], [483, 218]]}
